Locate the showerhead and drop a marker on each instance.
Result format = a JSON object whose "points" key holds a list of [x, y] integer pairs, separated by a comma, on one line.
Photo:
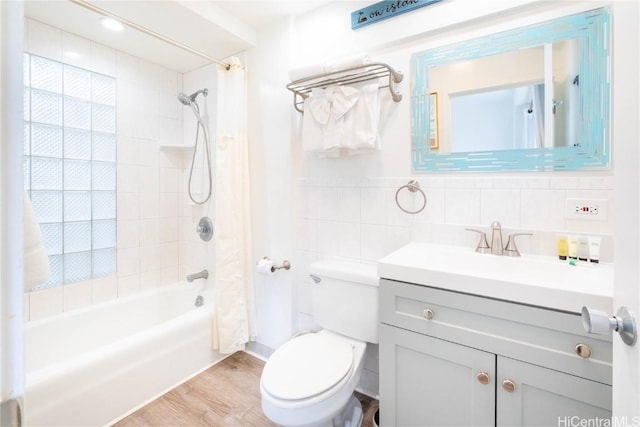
{"points": [[188, 99], [184, 98]]}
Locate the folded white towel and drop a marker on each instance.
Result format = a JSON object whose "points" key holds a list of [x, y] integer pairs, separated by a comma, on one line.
{"points": [[329, 107], [337, 64], [36, 259], [362, 121], [305, 71]]}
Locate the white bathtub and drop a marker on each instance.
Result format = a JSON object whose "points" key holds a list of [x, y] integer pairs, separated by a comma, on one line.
{"points": [[90, 367]]}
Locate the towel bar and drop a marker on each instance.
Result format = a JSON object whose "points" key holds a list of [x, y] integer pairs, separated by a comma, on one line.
{"points": [[302, 88]]}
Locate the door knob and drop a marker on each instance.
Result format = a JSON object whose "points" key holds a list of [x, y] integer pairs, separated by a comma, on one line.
{"points": [[599, 323]]}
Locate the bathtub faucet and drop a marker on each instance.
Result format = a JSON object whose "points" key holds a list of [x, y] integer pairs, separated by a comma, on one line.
{"points": [[201, 275]]}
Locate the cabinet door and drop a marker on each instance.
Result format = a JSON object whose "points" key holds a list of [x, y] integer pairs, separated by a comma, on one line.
{"points": [[426, 381], [544, 397]]}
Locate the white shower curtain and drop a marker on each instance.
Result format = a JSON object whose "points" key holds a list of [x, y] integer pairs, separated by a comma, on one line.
{"points": [[234, 317]]}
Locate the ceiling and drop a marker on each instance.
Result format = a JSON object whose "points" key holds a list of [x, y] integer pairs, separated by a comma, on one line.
{"points": [[216, 28]]}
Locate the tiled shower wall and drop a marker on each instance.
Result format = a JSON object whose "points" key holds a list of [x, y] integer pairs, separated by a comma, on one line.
{"points": [[149, 181]]}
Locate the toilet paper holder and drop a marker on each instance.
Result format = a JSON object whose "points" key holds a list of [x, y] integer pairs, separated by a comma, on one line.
{"points": [[285, 265], [599, 322]]}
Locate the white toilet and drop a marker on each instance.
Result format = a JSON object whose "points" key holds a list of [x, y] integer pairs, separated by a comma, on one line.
{"points": [[309, 380]]}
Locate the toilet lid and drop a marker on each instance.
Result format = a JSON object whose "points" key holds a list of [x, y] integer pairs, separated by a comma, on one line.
{"points": [[306, 366]]}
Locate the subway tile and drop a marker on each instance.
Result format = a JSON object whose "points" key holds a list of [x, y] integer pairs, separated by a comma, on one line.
{"points": [[327, 238], [542, 209], [307, 235], [150, 258], [168, 205], [128, 181], [169, 275], [308, 197], [372, 201], [304, 302], [434, 209], [76, 50], [105, 289], [128, 261], [170, 132], [501, 205], [128, 233], [77, 295], [148, 231], [128, 285], [520, 182], [127, 206], [150, 279], [328, 203], [462, 206], [396, 237], [169, 254], [104, 60], [45, 303], [372, 242], [469, 182], [128, 67], [45, 40], [349, 204], [169, 179], [349, 240], [600, 182], [168, 230]]}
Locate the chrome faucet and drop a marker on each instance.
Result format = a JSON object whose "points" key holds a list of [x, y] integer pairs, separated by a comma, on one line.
{"points": [[496, 238], [204, 274]]}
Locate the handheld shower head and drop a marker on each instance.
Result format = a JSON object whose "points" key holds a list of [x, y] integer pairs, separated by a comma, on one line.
{"points": [[184, 98], [188, 99]]}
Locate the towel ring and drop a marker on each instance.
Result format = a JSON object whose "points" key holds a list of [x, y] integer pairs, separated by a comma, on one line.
{"points": [[412, 186]]}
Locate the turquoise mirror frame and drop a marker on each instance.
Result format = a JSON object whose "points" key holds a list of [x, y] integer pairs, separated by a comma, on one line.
{"points": [[593, 30]]}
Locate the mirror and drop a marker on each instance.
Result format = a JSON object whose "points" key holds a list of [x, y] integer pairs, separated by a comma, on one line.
{"points": [[534, 98]]}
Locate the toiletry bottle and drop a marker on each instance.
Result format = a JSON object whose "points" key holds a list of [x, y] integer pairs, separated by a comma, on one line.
{"points": [[594, 249], [563, 246], [583, 248], [573, 247]]}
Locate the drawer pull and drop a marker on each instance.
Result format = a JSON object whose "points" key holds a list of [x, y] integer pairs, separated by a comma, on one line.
{"points": [[583, 351], [508, 385], [483, 377], [427, 313]]}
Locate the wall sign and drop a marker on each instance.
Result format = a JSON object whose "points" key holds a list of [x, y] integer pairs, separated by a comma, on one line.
{"points": [[385, 9]]}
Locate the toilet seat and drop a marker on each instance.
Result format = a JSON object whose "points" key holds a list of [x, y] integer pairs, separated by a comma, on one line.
{"points": [[307, 366]]}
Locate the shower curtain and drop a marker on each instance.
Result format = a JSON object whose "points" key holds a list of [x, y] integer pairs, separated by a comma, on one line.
{"points": [[234, 316]]}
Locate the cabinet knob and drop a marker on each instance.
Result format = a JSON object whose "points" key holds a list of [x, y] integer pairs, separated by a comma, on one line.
{"points": [[427, 313], [483, 377], [583, 350], [508, 385]]}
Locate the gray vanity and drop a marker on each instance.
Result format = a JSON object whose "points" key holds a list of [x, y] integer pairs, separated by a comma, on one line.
{"points": [[477, 339]]}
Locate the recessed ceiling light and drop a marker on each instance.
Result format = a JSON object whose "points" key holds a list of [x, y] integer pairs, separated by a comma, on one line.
{"points": [[112, 24], [71, 54]]}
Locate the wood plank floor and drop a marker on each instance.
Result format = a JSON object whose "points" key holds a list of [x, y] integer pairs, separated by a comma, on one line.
{"points": [[227, 394]]}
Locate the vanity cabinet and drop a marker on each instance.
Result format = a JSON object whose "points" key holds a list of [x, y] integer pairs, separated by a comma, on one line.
{"points": [[450, 358]]}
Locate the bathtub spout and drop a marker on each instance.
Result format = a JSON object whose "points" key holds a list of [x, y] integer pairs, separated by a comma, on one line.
{"points": [[204, 274]]}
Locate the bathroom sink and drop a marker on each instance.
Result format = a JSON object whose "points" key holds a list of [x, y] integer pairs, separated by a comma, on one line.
{"points": [[535, 280]]}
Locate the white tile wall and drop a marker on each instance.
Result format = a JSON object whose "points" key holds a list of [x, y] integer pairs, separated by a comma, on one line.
{"points": [[148, 182]]}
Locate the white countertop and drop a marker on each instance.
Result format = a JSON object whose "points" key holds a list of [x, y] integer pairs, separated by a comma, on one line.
{"points": [[535, 280]]}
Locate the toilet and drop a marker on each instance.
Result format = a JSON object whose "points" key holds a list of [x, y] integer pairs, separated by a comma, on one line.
{"points": [[310, 379]]}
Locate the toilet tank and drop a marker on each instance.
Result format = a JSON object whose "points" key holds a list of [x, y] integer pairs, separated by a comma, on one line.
{"points": [[345, 300]]}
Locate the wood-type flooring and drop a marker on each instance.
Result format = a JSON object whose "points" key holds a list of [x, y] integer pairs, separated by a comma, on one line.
{"points": [[227, 394]]}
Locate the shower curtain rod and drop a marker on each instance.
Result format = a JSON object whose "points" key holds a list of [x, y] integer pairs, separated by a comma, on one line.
{"points": [[149, 32]]}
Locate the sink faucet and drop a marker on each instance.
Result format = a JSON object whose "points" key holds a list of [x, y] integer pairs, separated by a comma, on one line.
{"points": [[201, 275], [496, 238]]}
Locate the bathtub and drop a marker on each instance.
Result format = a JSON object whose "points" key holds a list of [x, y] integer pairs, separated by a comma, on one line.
{"points": [[92, 366]]}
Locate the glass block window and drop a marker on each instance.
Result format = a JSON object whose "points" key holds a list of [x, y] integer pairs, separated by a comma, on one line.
{"points": [[70, 166]]}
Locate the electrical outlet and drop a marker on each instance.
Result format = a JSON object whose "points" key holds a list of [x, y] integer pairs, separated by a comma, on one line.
{"points": [[587, 209]]}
